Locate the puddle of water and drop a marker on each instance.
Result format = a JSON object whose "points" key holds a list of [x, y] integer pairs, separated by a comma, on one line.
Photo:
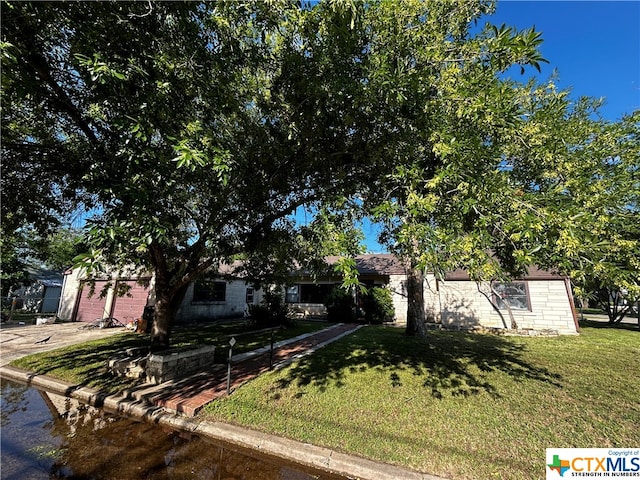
{"points": [[48, 436]]}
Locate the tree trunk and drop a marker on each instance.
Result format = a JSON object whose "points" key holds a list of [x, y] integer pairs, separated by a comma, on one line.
{"points": [[167, 303], [505, 301], [416, 326]]}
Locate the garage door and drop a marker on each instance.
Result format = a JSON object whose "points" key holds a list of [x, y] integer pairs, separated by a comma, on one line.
{"points": [[92, 307], [131, 305]]}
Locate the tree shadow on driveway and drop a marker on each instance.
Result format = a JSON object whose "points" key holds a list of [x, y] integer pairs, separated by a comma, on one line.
{"points": [[449, 363]]}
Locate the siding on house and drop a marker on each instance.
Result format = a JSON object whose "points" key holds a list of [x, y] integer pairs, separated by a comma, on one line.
{"points": [[51, 299]]}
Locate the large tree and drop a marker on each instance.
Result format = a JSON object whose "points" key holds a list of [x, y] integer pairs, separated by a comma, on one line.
{"points": [[492, 175], [548, 184], [196, 129], [577, 179], [441, 77], [594, 210]]}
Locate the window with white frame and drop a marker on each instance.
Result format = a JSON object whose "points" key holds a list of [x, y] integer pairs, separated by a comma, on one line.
{"points": [[516, 294], [249, 295]]}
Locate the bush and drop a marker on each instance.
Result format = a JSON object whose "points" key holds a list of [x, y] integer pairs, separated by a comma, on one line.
{"points": [[340, 306], [271, 312], [378, 305]]}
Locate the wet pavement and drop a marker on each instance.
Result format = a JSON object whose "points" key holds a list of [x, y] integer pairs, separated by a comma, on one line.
{"points": [[48, 436]]}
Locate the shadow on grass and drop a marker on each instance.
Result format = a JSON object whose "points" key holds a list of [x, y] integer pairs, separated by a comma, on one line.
{"points": [[451, 363], [85, 365]]}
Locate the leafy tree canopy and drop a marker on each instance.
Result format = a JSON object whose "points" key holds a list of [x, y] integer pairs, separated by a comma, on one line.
{"points": [[198, 128]]}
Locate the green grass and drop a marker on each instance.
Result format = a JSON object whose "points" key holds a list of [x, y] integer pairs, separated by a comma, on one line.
{"points": [[460, 405], [85, 364]]}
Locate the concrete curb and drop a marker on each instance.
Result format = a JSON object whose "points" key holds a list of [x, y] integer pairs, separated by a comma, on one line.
{"points": [[302, 453]]}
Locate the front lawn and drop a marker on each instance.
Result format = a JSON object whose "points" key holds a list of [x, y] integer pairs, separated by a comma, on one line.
{"points": [[460, 405], [86, 363]]}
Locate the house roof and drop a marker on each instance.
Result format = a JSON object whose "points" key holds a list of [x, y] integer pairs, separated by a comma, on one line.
{"points": [[375, 264], [48, 278], [389, 264], [533, 273]]}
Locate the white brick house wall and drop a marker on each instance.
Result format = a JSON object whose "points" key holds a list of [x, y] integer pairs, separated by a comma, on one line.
{"points": [[398, 287], [466, 303], [234, 304]]}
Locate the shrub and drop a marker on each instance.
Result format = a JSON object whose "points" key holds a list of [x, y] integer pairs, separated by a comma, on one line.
{"points": [[378, 305], [271, 312], [340, 306]]}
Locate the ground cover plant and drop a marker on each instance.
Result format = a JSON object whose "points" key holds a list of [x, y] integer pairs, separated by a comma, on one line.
{"points": [[85, 364], [460, 405]]}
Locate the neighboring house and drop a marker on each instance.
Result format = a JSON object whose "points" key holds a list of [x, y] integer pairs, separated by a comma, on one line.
{"points": [[541, 300], [307, 292], [42, 295]]}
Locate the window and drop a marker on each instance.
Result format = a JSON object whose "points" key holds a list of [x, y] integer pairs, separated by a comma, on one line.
{"points": [[249, 296], [308, 293], [314, 293], [516, 293], [292, 294], [209, 291]]}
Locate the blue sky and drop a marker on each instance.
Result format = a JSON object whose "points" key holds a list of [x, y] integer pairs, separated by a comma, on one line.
{"points": [[594, 47]]}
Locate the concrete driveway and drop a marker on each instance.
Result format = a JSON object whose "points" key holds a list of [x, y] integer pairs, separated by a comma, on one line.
{"points": [[20, 340], [629, 319]]}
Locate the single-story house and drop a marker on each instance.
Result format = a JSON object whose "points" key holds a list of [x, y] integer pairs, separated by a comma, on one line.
{"points": [[41, 294], [540, 300]]}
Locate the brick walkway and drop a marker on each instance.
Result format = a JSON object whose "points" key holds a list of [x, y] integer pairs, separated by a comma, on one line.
{"points": [[189, 395]]}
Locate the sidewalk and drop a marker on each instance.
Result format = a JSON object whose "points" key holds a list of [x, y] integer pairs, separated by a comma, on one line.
{"points": [[20, 340], [189, 395]]}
